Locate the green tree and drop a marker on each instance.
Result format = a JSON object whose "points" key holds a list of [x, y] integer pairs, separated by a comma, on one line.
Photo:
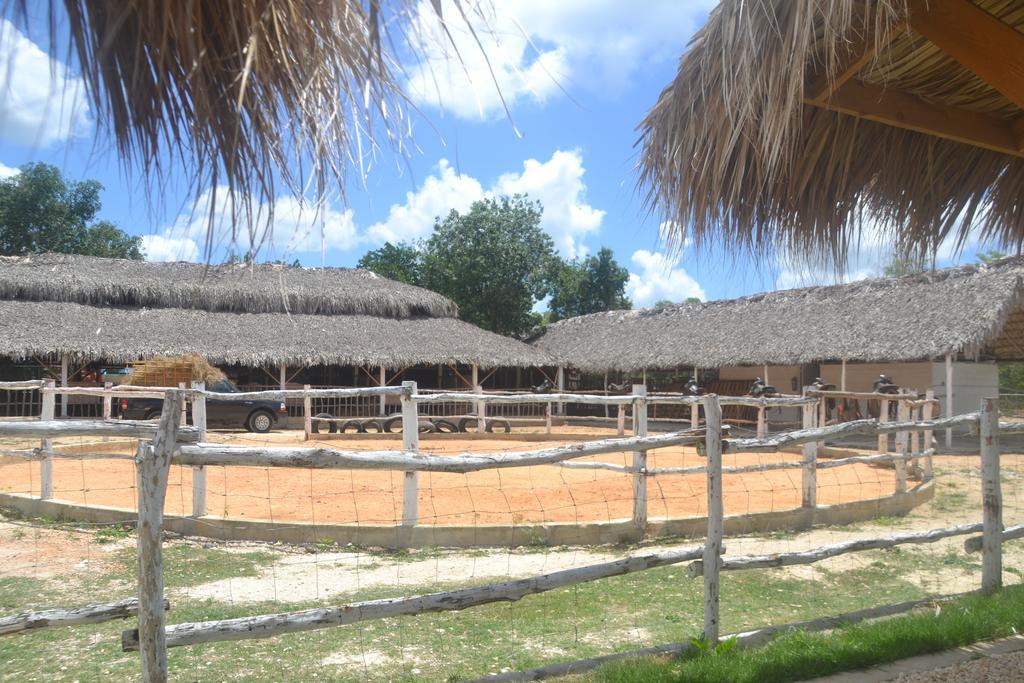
{"points": [[396, 261], [898, 267], [991, 255], [41, 211], [494, 261], [597, 283]]}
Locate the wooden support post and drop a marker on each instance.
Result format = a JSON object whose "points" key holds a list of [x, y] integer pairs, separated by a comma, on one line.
{"points": [[762, 425], [915, 435], [108, 403], [184, 406], [928, 438], [713, 545], [949, 398], [153, 464], [695, 416], [307, 413], [46, 464], [481, 411], [547, 417], [991, 499], [64, 384], [560, 381], [606, 406], [383, 399], [640, 458], [883, 417], [283, 376], [621, 420], [842, 376], [474, 378], [199, 473], [903, 415], [411, 444], [809, 472]]}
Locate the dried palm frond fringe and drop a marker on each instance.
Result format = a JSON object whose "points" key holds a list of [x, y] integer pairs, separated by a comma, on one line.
{"points": [[170, 371], [731, 155], [243, 96]]}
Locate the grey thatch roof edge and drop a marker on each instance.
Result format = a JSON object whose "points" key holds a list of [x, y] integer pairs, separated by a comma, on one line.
{"points": [[883, 319], [119, 335], [238, 288]]}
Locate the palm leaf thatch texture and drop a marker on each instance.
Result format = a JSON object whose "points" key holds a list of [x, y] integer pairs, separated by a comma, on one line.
{"points": [[244, 95], [800, 127], [120, 311], [886, 319]]}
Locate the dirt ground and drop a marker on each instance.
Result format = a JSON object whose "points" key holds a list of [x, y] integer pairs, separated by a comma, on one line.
{"points": [[505, 496]]}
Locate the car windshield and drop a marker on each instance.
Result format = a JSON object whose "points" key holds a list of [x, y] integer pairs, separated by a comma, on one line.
{"points": [[224, 386]]}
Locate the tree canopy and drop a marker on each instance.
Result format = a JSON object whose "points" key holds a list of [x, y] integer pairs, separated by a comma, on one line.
{"points": [[399, 262], [41, 211], [597, 283]]}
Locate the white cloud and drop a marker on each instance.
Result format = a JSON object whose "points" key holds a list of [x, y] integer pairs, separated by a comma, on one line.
{"points": [[557, 183], [7, 171], [40, 102], [164, 248], [660, 277], [537, 47]]}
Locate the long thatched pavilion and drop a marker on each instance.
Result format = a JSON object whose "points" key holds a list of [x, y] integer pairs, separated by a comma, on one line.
{"points": [[268, 325], [943, 330]]}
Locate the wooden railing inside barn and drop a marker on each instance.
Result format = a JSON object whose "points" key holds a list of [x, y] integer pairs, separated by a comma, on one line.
{"points": [[169, 441]]}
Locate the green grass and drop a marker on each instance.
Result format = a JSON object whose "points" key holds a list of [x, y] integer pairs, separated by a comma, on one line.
{"points": [[801, 655]]}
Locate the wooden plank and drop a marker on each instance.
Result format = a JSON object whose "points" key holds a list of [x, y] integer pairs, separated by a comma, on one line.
{"points": [[328, 458], [269, 625], [809, 472], [73, 616], [712, 556], [980, 42], [903, 110], [132, 429], [199, 473], [154, 462], [991, 499], [411, 444], [639, 476], [46, 445]]}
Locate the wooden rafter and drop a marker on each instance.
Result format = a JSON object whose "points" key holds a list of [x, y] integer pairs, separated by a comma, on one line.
{"points": [[902, 110], [978, 41], [820, 87]]}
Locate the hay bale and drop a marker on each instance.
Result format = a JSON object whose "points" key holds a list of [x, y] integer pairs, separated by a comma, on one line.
{"points": [[169, 371]]}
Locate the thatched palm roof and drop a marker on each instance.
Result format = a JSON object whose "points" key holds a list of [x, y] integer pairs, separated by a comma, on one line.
{"points": [[118, 335], [797, 125], [885, 319], [259, 288]]}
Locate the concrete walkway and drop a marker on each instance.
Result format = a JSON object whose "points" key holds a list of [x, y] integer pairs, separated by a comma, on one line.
{"points": [[927, 663]]}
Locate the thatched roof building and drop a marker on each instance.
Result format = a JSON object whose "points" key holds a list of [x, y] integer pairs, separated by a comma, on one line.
{"points": [[969, 308], [118, 311], [798, 125]]}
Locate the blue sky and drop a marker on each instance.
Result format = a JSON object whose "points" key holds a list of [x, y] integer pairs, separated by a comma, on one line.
{"points": [[578, 75]]}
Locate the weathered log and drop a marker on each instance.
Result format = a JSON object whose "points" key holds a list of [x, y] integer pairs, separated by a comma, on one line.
{"points": [[55, 429], [595, 466], [836, 549], [328, 458], [73, 616], [711, 558], [22, 385], [121, 391], [266, 626], [863, 459], [38, 454], [411, 443], [1010, 533], [283, 394], [735, 469], [472, 397], [639, 463], [991, 498], [47, 414]]}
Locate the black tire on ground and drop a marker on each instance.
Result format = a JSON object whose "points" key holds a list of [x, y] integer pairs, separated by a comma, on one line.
{"points": [[260, 422], [356, 426], [445, 426], [491, 421], [332, 426], [373, 426], [465, 422], [427, 427], [391, 423]]}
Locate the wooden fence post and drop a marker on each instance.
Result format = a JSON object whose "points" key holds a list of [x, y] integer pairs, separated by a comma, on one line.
{"points": [[307, 413], [108, 403], [695, 416], [928, 438], [560, 382], [992, 499], [903, 415], [411, 444], [640, 458], [481, 411], [810, 463], [621, 420], [883, 417], [915, 435], [547, 417], [153, 464], [199, 473], [46, 464], [762, 423], [713, 545]]}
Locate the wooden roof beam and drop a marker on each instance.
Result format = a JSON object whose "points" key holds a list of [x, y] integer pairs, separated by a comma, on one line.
{"points": [[992, 50], [902, 110], [862, 50]]}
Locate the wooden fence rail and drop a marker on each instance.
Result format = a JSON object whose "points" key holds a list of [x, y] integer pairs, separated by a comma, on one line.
{"points": [[72, 616]]}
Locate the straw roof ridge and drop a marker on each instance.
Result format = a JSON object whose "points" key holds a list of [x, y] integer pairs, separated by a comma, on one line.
{"points": [[249, 288], [917, 316], [121, 335]]}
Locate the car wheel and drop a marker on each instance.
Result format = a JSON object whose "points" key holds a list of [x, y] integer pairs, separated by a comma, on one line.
{"points": [[260, 422]]}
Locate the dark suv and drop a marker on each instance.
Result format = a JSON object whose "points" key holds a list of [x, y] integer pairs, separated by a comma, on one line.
{"points": [[256, 416]]}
